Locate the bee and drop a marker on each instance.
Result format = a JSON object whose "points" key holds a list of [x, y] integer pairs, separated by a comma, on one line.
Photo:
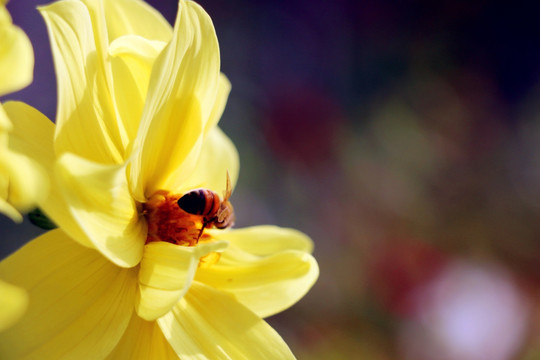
{"points": [[207, 204]]}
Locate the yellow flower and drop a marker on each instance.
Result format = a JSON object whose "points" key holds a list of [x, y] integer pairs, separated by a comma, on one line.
{"points": [[136, 129], [16, 55], [22, 182]]}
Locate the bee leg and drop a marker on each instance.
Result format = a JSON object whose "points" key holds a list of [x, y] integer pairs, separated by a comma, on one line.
{"points": [[202, 229]]}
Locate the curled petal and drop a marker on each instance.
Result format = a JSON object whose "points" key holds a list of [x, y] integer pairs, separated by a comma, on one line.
{"points": [[181, 95], [218, 158], [210, 324], [24, 180], [110, 21], [86, 122], [131, 59], [266, 285], [5, 126], [166, 273], [267, 268], [32, 135], [6, 208], [16, 56], [218, 155], [28, 182], [265, 239], [80, 303], [143, 340], [5, 177], [101, 205], [224, 88], [135, 17]]}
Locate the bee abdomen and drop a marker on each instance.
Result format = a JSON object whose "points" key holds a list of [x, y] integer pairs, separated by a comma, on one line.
{"points": [[199, 202]]}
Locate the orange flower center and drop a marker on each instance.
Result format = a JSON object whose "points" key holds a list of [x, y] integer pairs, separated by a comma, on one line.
{"points": [[168, 222]]}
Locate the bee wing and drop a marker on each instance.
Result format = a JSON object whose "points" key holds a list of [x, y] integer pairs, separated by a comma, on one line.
{"points": [[222, 214]]}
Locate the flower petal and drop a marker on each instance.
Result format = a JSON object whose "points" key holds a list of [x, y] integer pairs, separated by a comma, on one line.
{"points": [[110, 21], [166, 273], [269, 281], [16, 56], [181, 95], [218, 154], [135, 17], [6, 208], [265, 240], [13, 304], [28, 182], [143, 340], [86, 119], [224, 89], [209, 324], [100, 203], [80, 303], [5, 173], [217, 159], [24, 180], [33, 135], [131, 59], [5, 126]]}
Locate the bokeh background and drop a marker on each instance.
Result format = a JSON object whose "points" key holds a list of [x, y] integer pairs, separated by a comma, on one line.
{"points": [[404, 138]]}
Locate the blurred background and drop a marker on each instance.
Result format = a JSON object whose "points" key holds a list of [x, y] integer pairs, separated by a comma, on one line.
{"points": [[404, 138]]}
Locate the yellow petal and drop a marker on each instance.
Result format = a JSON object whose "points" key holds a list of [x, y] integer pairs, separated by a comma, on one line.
{"points": [[8, 209], [181, 95], [143, 340], [24, 180], [28, 182], [5, 207], [80, 303], [86, 119], [5, 126], [224, 88], [218, 157], [100, 202], [209, 324], [266, 285], [265, 239], [13, 303], [16, 56], [33, 135], [267, 268], [126, 17], [120, 15], [112, 20], [132, 58], [166, 273]]}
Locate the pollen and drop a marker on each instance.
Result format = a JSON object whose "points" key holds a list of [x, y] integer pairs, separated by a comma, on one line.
{"points": [[209, 260], [167, 222]]}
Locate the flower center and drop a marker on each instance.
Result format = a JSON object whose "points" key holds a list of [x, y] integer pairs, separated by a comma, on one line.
{"points": [[168, 222], [181, 219]]}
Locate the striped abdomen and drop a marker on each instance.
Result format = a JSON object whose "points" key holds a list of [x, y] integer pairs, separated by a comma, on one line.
{"points": [[202, 202]]}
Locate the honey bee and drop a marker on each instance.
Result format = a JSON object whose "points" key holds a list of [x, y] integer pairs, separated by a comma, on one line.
{"points": [[207, 204]]}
